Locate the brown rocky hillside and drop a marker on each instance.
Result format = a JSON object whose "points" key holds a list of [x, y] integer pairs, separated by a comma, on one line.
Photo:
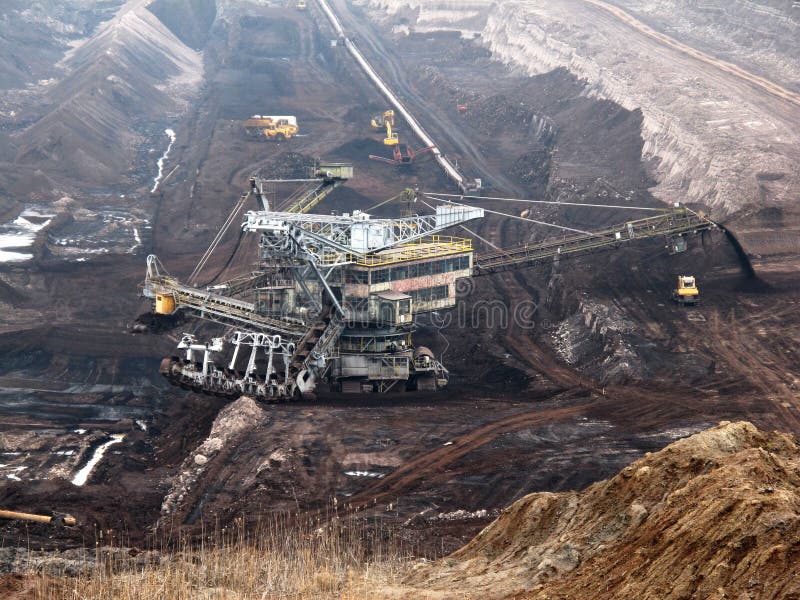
{"points": [[714, 515]]}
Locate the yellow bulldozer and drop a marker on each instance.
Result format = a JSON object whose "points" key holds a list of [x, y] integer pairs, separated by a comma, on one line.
{"points": [[686, 293], [271, 127]]}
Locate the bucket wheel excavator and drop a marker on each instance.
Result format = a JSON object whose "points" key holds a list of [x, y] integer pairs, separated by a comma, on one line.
{"points": [[332, 298], [323, 302]]}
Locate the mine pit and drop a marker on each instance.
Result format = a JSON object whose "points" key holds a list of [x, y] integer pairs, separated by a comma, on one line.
{"points": [[606, 370]]}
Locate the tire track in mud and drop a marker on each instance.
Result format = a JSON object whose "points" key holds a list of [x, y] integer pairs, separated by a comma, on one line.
{"points": [[738, 345], [639, 408], [411, 473]]}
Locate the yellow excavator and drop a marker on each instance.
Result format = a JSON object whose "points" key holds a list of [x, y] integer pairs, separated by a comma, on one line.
{"points": [[402, 154], [276, 128], [391, 137], [686, 293], [380, 121]]}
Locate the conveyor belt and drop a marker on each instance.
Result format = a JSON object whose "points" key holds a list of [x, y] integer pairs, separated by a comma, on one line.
{"points": [[673, 223]]}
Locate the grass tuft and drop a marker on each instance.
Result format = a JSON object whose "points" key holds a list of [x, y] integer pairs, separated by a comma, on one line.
{"points": [[276, 558]]}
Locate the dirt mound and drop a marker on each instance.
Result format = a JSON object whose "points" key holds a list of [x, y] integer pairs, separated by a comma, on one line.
{"points": [[714, 515], [131, 69], [232, 422], [34, 35]]}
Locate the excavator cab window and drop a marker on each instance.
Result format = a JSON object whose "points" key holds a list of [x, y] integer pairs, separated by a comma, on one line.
{"points": [[404, 307]]}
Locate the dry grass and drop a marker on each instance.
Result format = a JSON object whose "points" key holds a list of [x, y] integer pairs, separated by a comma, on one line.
{"points": [[278, 559]]}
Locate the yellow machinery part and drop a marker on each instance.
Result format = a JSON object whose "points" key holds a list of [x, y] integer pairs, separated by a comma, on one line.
{"points": [[11, 514], [165, 304], [687, 286], [391, 138], [380, 121]]}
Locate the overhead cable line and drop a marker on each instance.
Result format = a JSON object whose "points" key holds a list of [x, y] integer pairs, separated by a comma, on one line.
{"points": [[495, 212], [554, 202]]}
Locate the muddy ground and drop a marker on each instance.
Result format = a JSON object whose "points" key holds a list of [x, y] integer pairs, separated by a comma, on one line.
{"points": [[603, 370]]}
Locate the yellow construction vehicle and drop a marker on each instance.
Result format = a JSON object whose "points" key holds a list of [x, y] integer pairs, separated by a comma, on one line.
{"points": [[391, 138], [686, 293], [379, 121], [300, 5], [272, 127]]}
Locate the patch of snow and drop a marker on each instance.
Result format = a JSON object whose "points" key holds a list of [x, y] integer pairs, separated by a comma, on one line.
{"points": [[365, 474], [7, 257], [171, 135], [21, 233], [83, 475], [13, 475]]}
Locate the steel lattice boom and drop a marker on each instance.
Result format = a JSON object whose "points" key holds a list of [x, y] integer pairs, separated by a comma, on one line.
{"points": [[672, 225]]}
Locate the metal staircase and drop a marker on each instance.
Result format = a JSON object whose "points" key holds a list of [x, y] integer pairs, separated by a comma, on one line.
{"points": [[318, 341]]}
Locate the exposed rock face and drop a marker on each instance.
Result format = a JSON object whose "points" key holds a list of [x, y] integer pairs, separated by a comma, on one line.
{"points": [[712, 139], [133, 68], [190, 20], [467, 16], [601, 335], [234, 420], [714, 515], [34, 35]]}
